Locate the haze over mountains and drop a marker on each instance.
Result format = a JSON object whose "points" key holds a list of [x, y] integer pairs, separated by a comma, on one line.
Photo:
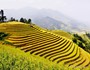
{"points": [[49, 19]]}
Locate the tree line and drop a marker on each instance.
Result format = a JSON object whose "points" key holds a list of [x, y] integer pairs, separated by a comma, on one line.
{"points": [[24, 20], [4, 19]]}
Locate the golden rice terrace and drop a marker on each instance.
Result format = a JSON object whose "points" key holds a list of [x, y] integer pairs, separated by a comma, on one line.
{"points": [[39, 42]]}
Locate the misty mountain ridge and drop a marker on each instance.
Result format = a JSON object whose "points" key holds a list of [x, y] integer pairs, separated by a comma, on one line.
{"points": [[53, 24], [49, 19]]}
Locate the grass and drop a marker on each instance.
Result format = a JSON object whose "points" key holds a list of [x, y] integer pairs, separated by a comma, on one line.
{"points": [[15, 59]]}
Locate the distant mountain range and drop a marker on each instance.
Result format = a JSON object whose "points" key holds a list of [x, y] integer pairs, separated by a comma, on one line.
{"points": [[49, 19]]}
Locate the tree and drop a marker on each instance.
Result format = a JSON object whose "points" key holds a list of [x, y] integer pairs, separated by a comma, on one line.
{"points": [[22, 20], [25, 20], [74, 40], [2, 17], [12, 19], [29, 21], [79, 38]]}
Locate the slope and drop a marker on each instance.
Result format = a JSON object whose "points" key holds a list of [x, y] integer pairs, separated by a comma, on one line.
{"points": [[12, 58], [62, 33], [45, 44]]}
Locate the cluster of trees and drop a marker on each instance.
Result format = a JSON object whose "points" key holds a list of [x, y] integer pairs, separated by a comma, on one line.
{"points": [[82, 42], [24, 20], [79, 41], [12, 19], [2, 17]]}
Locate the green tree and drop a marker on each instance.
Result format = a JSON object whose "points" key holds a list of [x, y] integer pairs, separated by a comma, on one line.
{"points": [[25, 20], [22, 20], [2, 18], [12, 19], [81, 45], [29, 21]]}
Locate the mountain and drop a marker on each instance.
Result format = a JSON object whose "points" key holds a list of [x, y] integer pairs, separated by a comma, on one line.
{"points": [[49, 19], [49, 23], [53, 24]]}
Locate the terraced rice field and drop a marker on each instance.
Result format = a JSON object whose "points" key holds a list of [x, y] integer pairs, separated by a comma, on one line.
{"points": [[45, 44]]}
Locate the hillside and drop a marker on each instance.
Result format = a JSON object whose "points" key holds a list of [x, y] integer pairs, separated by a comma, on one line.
{"points": [[62, 33], [45, 44], [15, 59]]}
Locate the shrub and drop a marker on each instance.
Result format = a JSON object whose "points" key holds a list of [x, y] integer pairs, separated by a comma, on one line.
{"points": [[6, 42], [81, 45], [75, 40], [88, 34], [79, 38], [88, 46], [2, 35]]}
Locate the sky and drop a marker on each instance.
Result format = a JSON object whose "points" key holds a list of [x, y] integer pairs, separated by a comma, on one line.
{"points": [[76, 9]]}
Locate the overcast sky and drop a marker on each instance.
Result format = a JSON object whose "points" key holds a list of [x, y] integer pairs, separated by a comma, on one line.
{"points": [[77, 9]]}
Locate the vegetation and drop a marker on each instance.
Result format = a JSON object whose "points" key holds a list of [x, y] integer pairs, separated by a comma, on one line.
{"points": [[12, 19], [78, 40], [88, 34], [83, 41], [25, 20], [47, 45], [29, 21], [15, 59], [22, 20], [87, 43], [2, 35], [2, 17]]}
